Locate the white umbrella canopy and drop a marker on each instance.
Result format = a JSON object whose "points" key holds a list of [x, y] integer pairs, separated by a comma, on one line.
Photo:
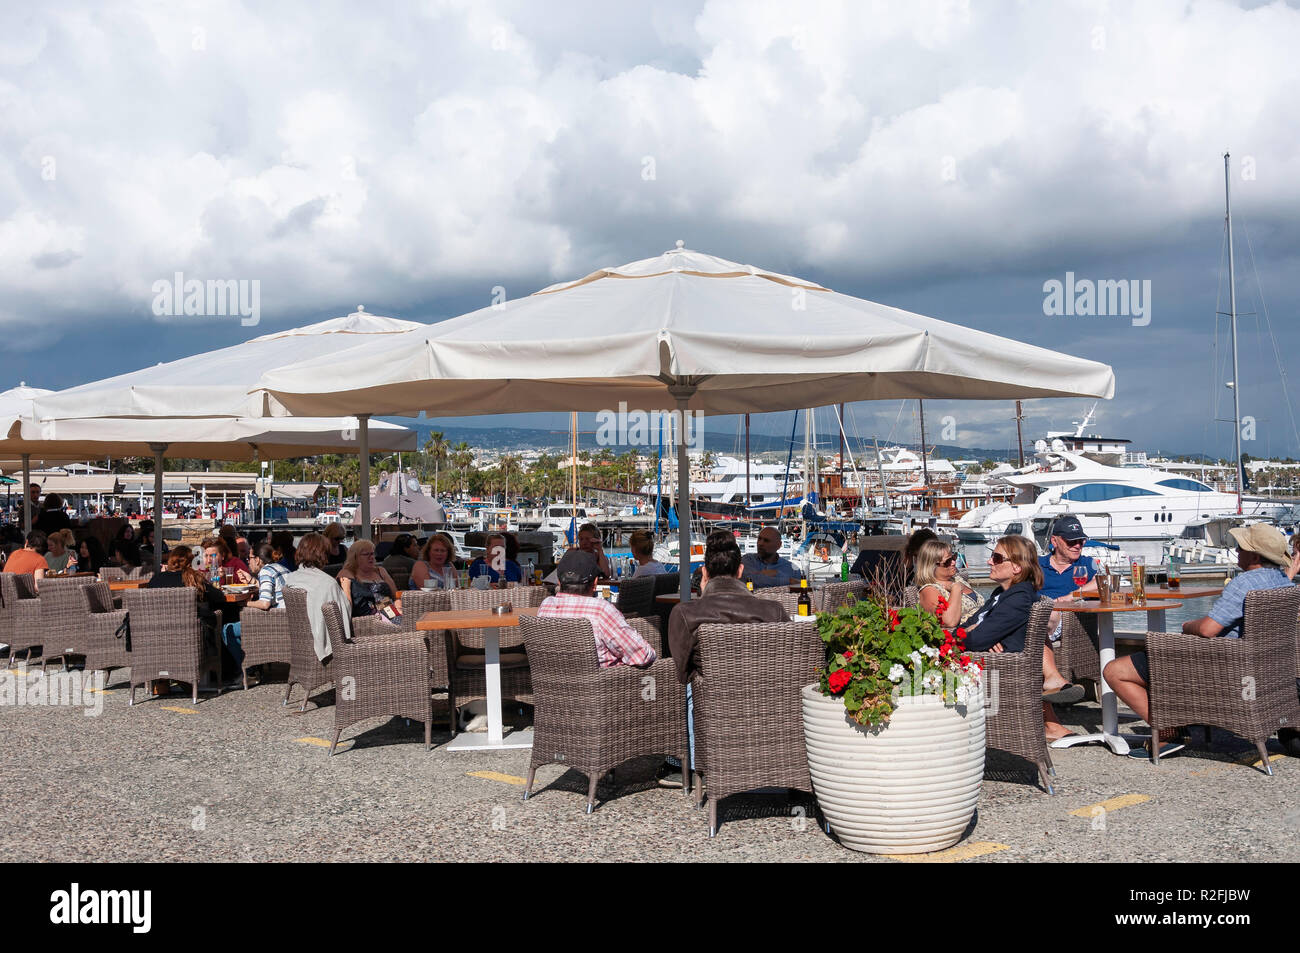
{"points": [[726, 337], [215, 383], [685, 331], [216, 438]]}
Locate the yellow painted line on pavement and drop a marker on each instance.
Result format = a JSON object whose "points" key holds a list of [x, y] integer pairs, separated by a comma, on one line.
{"points": [[183, 711], [318, 742], [1253, 760], [497, 776], [952, 854], [1111, 804]]}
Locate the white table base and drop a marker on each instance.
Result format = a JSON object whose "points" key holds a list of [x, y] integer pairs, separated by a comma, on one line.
{"points": [[1109, 734], [493, 740]]}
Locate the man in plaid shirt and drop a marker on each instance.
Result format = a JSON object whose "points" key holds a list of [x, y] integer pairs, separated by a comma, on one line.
{"points": [[617, 643]]}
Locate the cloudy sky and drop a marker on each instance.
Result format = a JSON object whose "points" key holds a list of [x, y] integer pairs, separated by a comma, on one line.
{"points": [[945, 157]]}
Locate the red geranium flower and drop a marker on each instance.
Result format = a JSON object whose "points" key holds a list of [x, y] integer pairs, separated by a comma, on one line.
{"points": [[839, 680], [848, 655]]}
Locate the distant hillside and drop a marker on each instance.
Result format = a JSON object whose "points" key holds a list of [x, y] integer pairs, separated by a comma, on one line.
{"points": [[522, 438]]}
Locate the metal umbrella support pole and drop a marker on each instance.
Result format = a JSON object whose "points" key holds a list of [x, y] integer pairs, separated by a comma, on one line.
{"points": [[158, 449], [27, 494], [682, 393], [364, 436]]}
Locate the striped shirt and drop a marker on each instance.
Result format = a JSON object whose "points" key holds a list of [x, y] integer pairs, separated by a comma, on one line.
{"points": [[617, 643], [270, 586]]}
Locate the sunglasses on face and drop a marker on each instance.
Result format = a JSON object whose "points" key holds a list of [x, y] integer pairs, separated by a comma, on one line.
{"points": [[950, 561], [998, 559]]}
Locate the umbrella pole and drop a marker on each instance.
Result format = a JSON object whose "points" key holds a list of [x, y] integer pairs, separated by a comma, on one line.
{"points": [[27, 494], [683, 395], [157, 449], [364, 435]]}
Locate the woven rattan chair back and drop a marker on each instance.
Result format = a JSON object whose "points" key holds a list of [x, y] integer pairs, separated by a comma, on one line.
{"points": [[166, 636], [475, 600], [20, 613], [836, 594], [112, 574], [103, 643], [590, 718], [748, 708], [637, 596], [63, 616], [305, 668]]}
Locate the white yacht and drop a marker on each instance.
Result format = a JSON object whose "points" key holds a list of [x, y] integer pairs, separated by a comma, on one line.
{"points": [[726, 483], [1112, 502]]}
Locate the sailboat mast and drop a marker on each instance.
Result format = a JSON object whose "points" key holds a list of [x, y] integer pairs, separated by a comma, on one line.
{"points": [[1232, 324], [749, 500], [1020, 441]]}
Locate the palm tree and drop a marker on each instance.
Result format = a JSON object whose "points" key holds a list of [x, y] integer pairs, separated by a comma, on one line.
{"points": [[436, 446]]}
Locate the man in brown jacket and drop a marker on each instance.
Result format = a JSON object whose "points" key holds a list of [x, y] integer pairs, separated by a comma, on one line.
{"points": [[723, 599]]}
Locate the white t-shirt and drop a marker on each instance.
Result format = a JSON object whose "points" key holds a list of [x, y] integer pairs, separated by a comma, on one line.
{"points": [[652, 568]]}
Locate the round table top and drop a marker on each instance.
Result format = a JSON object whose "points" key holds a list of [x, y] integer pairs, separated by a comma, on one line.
{"points": [[1160, 605], [472, 619], [1160, 592]]}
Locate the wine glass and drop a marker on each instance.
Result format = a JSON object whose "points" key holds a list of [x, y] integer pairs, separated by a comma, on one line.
{"points": [[1080, 575]]}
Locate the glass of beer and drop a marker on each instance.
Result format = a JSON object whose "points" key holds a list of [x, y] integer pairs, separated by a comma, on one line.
{"points": [[1138, 577], [1174, 575], [1103, 588]]}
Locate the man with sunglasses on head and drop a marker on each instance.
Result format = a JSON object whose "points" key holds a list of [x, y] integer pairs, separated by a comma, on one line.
{"points": [[1059, 567]]}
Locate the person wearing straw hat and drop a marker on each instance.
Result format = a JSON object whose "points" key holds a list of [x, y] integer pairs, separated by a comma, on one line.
{"points": [[1265, 563]]}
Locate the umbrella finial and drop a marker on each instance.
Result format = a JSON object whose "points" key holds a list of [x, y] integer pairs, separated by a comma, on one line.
{"points": [[360, 308], [680, 244]]}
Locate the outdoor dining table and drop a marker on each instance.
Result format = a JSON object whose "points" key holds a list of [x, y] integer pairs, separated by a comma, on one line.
{"points": [[119, 585], [1109, 735], [491, 624]]}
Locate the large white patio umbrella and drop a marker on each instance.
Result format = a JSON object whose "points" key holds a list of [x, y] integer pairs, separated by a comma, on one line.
{"points": [[221, 438], [218, 383], [683, 331]]}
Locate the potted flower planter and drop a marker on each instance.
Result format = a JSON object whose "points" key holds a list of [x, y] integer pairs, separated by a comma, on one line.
{"points": [[907, 786]]}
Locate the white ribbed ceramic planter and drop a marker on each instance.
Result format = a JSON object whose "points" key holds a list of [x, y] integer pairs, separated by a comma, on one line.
{"points": [[907, 787]]}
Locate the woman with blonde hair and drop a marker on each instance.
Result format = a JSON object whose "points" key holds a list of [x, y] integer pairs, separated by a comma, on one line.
{"points": [[434, 565], [61, 556], [1002, 622], [943, 592], [364, 581]]}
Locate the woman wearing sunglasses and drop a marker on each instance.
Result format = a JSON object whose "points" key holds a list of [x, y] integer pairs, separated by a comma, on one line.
{"points": [[1001, 623], [943, 592]]}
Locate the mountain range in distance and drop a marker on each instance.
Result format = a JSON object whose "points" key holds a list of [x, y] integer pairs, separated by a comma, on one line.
{"points": [[522, 438]]}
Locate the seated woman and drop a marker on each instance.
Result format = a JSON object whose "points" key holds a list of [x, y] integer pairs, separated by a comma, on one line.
{"points": [[642, 545], [216, 551], [312, 555], [943, 592], [179, 572], [61, 556], [365, 583], [334, 537], [403, 554], [270, 579], [434, 568], [125, 554], [91, 555], [1001, 624]]}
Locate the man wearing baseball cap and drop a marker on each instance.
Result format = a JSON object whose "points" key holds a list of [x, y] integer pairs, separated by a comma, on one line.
{"points": [[617, 643], [1059, 585], [1262, 556]]}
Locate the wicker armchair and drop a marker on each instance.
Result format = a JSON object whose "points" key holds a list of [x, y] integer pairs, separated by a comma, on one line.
{"points": [[415, 603], [20, 614], [636, 597], [748, 714], [466, 600], [382, 672], [305, 668], [264, 637], [789, 600], [112, 574], [836, 594], [593, 719], [1013, 692], [63, 613], [1246, 686], [1079, 655], [167, 638], [100, 644]]}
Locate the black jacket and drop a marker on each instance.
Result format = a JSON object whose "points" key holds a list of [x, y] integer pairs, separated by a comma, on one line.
{"points": [[1004, 618]]}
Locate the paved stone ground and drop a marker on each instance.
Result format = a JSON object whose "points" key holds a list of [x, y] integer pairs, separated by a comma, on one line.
{"points": [[231, 778]]}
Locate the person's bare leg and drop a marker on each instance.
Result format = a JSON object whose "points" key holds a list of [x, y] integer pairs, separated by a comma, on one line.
{"points": [[1052, 725], [1052, 677]]}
